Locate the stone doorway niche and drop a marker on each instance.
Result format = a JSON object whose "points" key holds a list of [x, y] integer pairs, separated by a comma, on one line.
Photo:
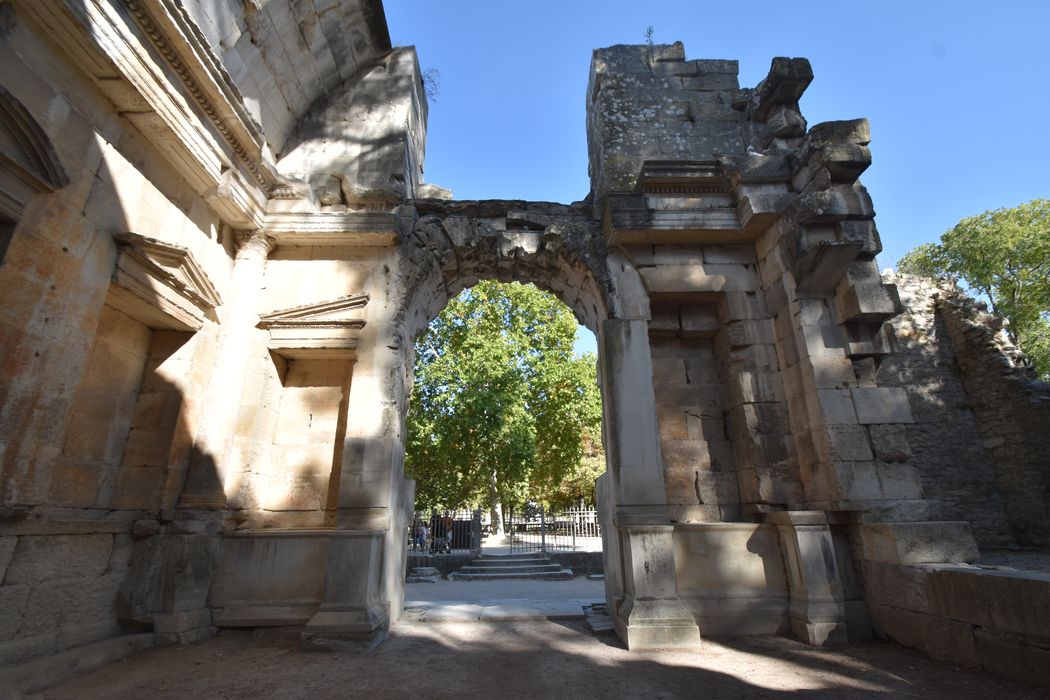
{"points": [[565, 254]]}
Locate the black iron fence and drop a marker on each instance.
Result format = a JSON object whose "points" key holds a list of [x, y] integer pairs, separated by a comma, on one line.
{"points": [[446, 531], [536, 529]]}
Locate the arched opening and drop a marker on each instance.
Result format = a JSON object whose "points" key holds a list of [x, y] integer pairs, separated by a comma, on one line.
{"points": [[504, 430]]}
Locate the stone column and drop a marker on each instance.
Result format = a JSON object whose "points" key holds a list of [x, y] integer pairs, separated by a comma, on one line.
{"points": [[649, 615], [206, 476], [817, 612]]}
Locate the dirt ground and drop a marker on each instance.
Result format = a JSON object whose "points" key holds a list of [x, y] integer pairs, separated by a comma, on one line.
{"points": [[532, 659]]}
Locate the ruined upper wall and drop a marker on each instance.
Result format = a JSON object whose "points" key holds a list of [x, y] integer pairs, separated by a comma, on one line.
{"points": [[363, 145], [284, 55], [649, 103], [971, 388]]}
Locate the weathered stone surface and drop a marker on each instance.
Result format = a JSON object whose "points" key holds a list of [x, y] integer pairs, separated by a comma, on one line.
{"points": [[917, 543], [174, 458]]}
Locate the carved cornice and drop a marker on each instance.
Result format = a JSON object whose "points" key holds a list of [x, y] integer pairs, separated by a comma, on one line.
{"points": [[332, 229], [327, 329], [215, 94], [104, 38]]}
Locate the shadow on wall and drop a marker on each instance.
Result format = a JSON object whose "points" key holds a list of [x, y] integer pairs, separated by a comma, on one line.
{"points": [[97, 431]]}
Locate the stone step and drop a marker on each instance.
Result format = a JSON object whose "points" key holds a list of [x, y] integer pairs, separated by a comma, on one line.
{"points": [[508, 557], [485, 563], [563, 575], [524, 569]]}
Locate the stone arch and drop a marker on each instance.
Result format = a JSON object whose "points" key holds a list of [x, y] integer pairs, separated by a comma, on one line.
{"points": [[445, 255], [448, 246]]}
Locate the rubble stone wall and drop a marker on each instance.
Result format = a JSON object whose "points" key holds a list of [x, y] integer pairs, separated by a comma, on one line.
{"points": [[982, 429], [958, 476]]}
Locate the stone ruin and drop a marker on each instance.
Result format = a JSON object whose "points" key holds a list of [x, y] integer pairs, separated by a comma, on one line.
{"points": [[218, 247]]}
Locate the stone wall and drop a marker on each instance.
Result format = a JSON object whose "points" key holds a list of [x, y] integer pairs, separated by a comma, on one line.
{"points": [[969, 389], [958, 480], [945, 610]]}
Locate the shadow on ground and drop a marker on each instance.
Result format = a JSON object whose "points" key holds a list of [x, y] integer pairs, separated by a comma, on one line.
{"points": [[534, 659]]}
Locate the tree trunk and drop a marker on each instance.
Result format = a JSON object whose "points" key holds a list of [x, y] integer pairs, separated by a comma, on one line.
{"points": [[495, 508]]}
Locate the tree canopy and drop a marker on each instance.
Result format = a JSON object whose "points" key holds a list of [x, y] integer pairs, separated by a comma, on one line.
{"points": [[501, 409], [1003, 255]]}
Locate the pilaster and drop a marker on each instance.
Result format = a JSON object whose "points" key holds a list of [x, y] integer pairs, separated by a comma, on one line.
{"points": [[206, 473]]}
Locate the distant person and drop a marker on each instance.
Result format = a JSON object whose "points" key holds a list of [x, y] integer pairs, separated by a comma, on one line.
{"points": [[446, 522], [424, 535]]}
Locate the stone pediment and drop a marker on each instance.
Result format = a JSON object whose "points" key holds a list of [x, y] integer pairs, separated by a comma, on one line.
{"points": [[161, 284], [28, 163], [326, 329]]}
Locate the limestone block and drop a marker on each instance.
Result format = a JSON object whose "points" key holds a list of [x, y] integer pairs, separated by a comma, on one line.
{"points": [[7, 552], [940, 637], [847, 443], [863, 232], [139, 488], [917, 543], [898, 480], [686, 454], [75, 482], [664, 320], [882, 405], [831, 407], [701, 320], [80, 609], [889, 443], [13, 601], [673, 426], [857, 481], [787, 79], [755, 332], [41, 558], [668, 370], [744, 255], [760, 386], [906, 587], [692, 278], [738, 306], [1013, 657], [868, 302], [1002, 601], [754, 549], [832, 372]]}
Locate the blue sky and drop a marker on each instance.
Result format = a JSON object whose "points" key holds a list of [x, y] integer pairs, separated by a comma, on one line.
{"points": [[958, 93]]}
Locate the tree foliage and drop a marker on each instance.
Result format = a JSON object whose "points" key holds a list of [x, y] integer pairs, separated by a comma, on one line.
{"points": [[1003, 255], [501, 410]]}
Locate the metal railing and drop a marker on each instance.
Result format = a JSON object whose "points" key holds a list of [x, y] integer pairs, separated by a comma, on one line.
{"points": [[456, 531], [566, 530]]}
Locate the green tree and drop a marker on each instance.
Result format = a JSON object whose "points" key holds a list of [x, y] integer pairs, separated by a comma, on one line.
{"points": [[1003, 255], [501, 410]]}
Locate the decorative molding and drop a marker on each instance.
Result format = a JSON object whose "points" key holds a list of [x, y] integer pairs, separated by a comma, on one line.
{"points": [[28, 162], [161, 284], [683, 177], [325, 330], [104, 39], [333, 229], [230, 109]]}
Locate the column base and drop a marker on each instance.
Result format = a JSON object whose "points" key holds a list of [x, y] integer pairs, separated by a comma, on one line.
{"points": [[344, 630], [183, 628], [657, 624]]}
